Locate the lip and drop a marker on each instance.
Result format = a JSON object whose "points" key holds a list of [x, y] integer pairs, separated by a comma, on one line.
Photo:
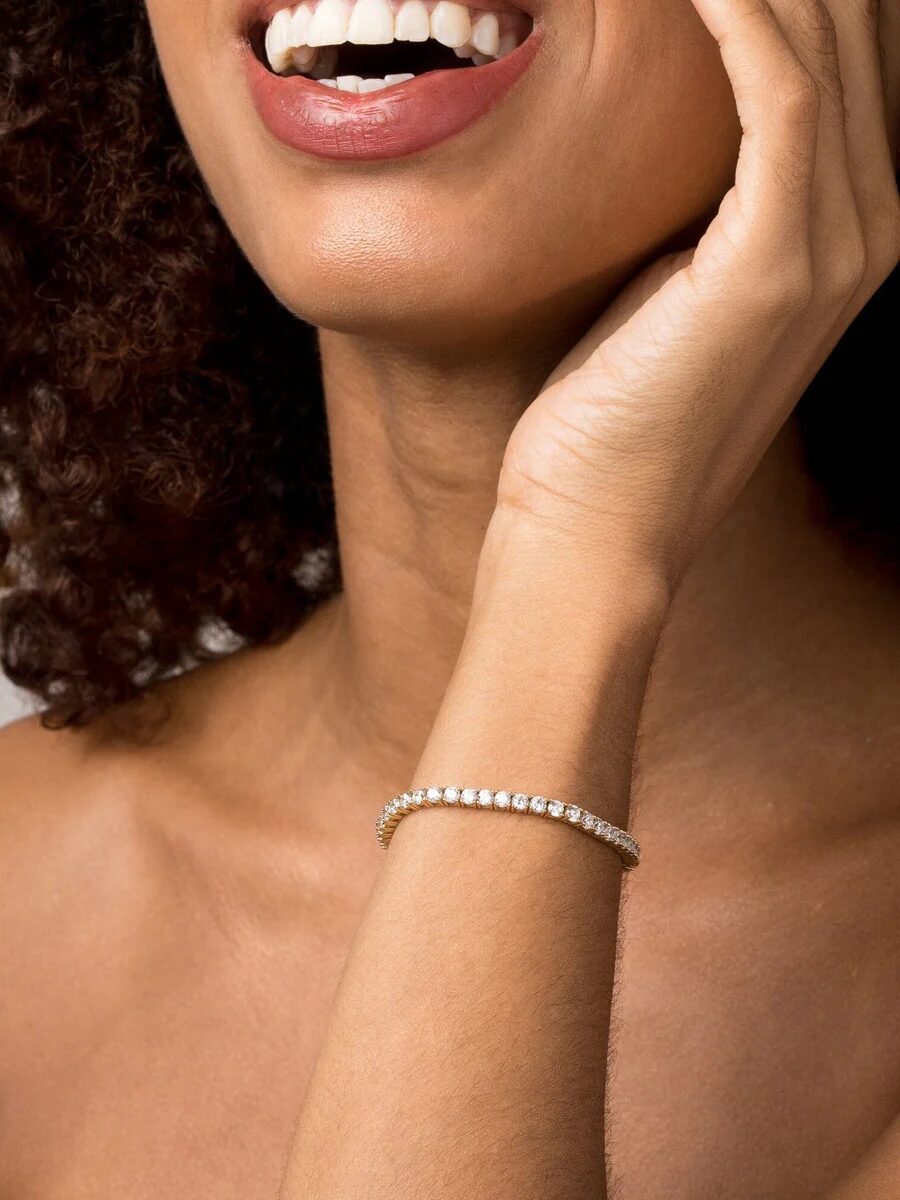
{"points": [[404, 119]]}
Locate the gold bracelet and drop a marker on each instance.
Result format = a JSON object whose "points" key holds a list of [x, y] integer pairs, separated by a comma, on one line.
{"points": [[400, 806]]}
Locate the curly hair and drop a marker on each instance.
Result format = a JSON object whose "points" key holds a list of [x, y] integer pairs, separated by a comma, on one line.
{"points": [[162, 478]]}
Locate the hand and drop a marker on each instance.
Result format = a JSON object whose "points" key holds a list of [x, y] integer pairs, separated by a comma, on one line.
{"points": [[649, 427]]}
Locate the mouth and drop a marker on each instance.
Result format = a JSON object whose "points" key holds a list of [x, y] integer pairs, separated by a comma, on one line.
{"points": [[375, 79]]}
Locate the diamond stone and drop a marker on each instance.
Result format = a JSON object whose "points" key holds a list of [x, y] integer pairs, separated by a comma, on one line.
{"points": [[433, 795], [520, 802], [538, 804], [451, 795], [485, 798], [501, 799], [555, 808], [469, 796], [573, 813], [588, 820]]}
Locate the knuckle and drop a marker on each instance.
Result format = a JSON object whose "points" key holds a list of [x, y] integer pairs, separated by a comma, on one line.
{"points": [[785, 291], [846, 272], [795, 94], [815, 25]]}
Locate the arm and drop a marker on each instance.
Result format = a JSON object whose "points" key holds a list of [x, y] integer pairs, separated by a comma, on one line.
{"points": [[468, 1047], [466, 1051]]}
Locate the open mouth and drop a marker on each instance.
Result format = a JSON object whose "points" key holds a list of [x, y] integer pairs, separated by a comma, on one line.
{"points": [[364, 46], [370, 80]]}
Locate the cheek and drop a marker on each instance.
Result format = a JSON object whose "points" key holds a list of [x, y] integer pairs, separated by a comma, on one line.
{"points": [[659, 149]]}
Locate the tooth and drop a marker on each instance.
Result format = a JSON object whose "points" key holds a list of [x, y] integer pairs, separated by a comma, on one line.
{"points": [[465, 51], [450, 24], [372, 85], [398, 78], [481, 59], [329, 24], [372, 23], [508, 43], [332, 83], [412, 24], [348, 83], [486, 34], [298, 29], [304, 57], [277, 44]]}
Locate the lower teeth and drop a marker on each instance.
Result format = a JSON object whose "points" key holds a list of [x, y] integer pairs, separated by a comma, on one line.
{"points": [[355, 83]]}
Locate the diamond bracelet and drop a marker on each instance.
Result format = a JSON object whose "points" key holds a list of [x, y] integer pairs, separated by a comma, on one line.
{"points": [[400, 806]]}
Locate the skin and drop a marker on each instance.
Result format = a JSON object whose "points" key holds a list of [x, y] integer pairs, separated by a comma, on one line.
{"points": [[181, 909], [345, 248]]}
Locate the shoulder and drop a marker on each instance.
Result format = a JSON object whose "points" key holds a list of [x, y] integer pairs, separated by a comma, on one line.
{"points": [[79, 870], [65, 812], [79, 848], [47, 778], [75, 892], [75, 807]]}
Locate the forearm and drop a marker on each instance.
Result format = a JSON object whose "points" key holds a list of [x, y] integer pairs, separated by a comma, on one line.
{"points": [[466, 1054]]}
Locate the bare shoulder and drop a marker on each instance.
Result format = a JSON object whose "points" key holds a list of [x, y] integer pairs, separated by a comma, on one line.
{"points": [[65, 818], [78, 863], [77, 805], [50, 786], [41, 774], [73, 840]]}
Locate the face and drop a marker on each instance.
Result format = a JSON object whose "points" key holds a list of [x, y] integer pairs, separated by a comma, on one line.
{"points": [[462, 204]]}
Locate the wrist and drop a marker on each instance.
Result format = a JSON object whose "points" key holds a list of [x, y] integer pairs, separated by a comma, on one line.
{"points": [[551, 575], [548, 687]]}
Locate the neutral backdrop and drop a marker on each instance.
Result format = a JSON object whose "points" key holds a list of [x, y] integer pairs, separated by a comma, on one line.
{"points": [[12, 704]]}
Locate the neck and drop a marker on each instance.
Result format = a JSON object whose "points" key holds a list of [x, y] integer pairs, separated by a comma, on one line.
{"points": [[417, 447], [417, 444]]}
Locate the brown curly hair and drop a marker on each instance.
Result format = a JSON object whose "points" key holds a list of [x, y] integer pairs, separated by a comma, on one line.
{"points": [[162, 478]]}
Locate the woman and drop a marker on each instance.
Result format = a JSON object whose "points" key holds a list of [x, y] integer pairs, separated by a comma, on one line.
{"points": [[561, 336]]}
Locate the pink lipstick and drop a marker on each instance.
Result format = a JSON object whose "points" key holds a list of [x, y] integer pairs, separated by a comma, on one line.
{"points": [[402, 118]]}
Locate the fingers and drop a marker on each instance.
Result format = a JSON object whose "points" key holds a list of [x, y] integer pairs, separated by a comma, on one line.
{"points": [[814, 187], [868, 141], [778, 105], [836, 239]]}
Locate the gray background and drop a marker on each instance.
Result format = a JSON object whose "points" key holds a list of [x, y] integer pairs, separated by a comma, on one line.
{"points": [[12, 704]]}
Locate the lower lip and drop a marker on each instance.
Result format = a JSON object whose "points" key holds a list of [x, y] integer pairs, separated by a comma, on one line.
{"points": [[399, 120]]}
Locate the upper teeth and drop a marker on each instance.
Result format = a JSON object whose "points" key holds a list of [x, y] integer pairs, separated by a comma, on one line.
{"points": [[294, 34]]}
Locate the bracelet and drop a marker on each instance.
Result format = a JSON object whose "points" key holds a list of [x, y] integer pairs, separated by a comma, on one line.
{"points": [[400, 806]]}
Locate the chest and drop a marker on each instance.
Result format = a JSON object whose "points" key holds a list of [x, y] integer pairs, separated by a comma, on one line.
{"points": [[757, 1039], [757, 1042]]}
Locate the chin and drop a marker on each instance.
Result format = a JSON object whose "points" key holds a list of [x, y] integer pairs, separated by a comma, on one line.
{"points": [[476, 192]]}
